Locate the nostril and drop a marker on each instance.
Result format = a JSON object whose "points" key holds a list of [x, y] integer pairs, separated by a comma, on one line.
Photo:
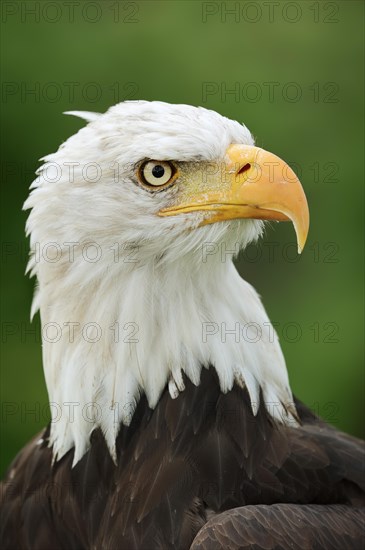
{"points": [[244, 169]]}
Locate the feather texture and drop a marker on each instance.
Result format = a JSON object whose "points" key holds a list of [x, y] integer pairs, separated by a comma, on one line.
{"points": [[261, 488]]}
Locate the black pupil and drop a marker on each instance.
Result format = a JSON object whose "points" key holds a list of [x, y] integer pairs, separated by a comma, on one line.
{"points": [[158, 171]]}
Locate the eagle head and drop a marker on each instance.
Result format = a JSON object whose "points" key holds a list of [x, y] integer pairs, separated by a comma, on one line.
{"points": [[124, 218]]}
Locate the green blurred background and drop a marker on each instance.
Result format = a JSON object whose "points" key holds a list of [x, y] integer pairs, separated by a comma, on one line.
{"points": [[296, 69]]}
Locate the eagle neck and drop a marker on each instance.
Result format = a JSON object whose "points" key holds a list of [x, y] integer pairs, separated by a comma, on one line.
{"points": [[147, 328]]}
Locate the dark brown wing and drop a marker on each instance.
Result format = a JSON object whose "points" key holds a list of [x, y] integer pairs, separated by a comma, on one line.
{"points": [[284, 527], [28, 519]]}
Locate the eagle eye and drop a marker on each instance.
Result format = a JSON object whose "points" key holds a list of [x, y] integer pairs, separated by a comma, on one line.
{"points": [[156, 174]]}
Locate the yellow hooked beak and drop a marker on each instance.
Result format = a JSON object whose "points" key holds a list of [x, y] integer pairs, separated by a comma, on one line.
{"points": [[251, 183]]}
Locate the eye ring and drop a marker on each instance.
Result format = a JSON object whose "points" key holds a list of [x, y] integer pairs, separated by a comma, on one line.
{"points": [[157, 175]]}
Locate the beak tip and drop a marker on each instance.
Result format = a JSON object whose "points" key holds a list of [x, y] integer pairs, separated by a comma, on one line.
{"points": [[301, 243], [301, 228]]}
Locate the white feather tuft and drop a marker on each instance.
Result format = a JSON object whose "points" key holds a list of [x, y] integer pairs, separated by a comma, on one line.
{"points": [[85, 115]]}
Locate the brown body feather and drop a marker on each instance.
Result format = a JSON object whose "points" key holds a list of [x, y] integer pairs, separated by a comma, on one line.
{"points": [[197, 467]]}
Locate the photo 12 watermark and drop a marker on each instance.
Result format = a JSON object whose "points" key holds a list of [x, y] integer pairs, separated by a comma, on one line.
{"points": [[71, 11], [253, 332], [251, 12], [70, 332], [73, 92], [271, 91], [271, 252]]}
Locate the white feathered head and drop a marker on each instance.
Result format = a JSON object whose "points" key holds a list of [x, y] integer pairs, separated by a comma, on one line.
{"points": [[124, 216]]}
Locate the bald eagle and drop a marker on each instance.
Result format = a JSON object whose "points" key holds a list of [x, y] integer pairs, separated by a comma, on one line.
{"points": [[173, 422]]}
